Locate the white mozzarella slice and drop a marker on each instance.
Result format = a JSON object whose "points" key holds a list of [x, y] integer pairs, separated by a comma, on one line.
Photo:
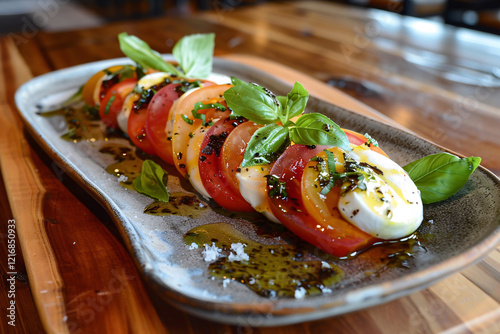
{"points": [[144, 83], [390, 207], [193, 155], [253, 188]]}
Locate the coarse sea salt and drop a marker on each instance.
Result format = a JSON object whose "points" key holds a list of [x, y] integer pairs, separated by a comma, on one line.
{"points": [[193, 246], [238, 253], [211, 253], [300, 293], [122, 178]]}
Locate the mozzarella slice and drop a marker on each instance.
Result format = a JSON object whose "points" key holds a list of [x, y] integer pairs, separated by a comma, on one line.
{"points": [[193, 155], [390, 207], [146, 82], [253, 188]]}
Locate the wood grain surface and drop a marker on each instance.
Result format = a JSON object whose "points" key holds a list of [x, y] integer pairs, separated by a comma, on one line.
{"points": [[81, 278]]}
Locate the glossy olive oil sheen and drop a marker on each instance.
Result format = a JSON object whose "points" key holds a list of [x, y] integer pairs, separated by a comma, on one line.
{"points": [[271, 271]]}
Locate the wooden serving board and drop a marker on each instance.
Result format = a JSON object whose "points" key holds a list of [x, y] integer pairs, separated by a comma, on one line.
{"points": [[82, 278]]}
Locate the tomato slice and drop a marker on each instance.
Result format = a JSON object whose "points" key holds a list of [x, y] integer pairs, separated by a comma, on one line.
{"points": [[291, 211], [96, 87], [156, 121], [109, 110], [136, 129], [184, 123], [234, 150], [358, 139], [331, 232], [209, 164]]}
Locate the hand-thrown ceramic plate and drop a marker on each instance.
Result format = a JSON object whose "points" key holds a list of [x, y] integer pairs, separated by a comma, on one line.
{"points": [[455, 233]]}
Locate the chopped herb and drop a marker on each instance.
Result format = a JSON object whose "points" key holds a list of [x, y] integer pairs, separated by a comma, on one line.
{"points": [[108, 105], [188, 121], [370, 140], [277, 187]]}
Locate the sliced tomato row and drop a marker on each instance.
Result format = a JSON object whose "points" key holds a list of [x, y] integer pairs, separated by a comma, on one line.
{"points": [[208, 146]]}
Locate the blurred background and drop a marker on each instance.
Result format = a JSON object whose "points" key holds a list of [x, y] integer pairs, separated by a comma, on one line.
{"points": [[57, 15]]}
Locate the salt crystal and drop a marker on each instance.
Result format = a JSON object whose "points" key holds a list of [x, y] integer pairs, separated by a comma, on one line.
{"points": [[122, 178], [211, 253], [239, 253], [300, 293]]}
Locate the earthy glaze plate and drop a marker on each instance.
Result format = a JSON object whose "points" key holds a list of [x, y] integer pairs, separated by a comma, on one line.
{"points": [[455, 233]]}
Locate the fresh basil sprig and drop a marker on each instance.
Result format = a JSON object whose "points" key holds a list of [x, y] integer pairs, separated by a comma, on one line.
{"points": [[441, 175], [151, 181], [261, 106], [194, 54]]}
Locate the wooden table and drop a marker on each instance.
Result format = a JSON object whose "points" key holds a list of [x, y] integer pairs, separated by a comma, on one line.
{"points": [[435, 80]]}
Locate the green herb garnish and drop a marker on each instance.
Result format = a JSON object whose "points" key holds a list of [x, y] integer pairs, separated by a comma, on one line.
{"points": [[108, 105], [151, 181], [370, 140], [194, 54], [276, 187], [261, 106], [438, 176], [201, 106]]}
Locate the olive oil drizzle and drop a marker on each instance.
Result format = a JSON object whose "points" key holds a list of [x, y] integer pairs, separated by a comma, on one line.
{"points": [[271, 271], [127, 163], [83, 123], [181, 204]]}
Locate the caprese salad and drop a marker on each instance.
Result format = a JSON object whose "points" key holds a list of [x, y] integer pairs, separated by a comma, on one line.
{"points": [[248, 149]]}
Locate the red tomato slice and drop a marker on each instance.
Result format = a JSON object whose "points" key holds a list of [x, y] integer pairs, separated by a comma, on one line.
{"points": [[234, 150], [209, 164], [292, 212], [156, 121], [136, 129], [118, 93], [331, 231], [358, 139], [159, 114]]}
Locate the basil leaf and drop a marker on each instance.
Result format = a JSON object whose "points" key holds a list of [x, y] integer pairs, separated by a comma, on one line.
{"points": [[140, 52], [151, 181], [441, 175], [265, 145], [297, 100], [195, 54], [318, 129], [252, 102]]}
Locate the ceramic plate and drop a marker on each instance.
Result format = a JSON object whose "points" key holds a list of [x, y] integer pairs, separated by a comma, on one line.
{"points": [[455, 233]]}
